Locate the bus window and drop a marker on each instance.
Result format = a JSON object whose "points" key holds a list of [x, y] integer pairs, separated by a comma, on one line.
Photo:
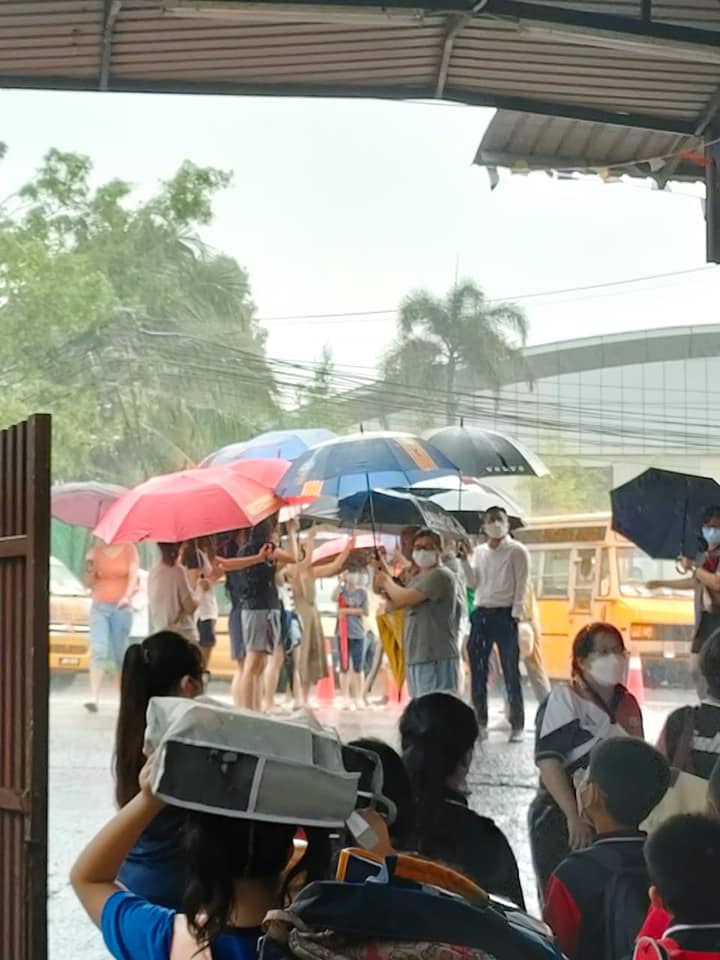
{"points": [[555, 574], [636, 568], [604, 590], [535, 557], [584, 580]]}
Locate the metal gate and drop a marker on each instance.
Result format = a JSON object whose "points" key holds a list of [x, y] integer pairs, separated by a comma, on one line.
{"points": [[24, 562]]}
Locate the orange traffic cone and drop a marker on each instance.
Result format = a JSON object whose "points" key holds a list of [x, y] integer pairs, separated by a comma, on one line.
{"points": [[400, 697], [325, 690], [635, 683]]}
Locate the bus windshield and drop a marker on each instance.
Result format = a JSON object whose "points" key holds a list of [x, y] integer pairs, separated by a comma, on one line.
{"points": [[636, 568], [63, 583]]}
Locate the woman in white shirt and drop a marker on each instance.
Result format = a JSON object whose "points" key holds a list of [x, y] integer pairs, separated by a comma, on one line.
{"points": [[198, 557], [171, 602]]}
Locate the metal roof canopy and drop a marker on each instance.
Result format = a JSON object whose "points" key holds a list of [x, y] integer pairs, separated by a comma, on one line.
{"points": [[597, 66]]}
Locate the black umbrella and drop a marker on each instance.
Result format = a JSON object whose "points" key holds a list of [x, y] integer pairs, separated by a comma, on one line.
{"points": [[387, 510], [467, 501], [661, 512], [485, 453]]}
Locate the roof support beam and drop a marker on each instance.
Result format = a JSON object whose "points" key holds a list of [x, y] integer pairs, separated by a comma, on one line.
{"points": [[477, 98], [110, 15], [455, 24], [635, 34]]}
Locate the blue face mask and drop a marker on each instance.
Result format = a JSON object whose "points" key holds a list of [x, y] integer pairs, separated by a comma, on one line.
{"points": [[711, 536]]}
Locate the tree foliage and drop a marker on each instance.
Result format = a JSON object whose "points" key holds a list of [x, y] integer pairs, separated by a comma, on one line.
{"points": [[458, 338], [120, 321]]}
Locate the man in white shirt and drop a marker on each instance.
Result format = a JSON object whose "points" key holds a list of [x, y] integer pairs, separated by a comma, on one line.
{"points": [[498, 571]]}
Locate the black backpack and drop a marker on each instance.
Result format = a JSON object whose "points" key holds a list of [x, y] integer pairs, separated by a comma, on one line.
{"points": [[625, 902]]}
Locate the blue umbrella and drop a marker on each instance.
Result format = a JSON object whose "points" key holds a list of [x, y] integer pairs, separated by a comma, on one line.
{"points": [[286, 444], [661, 511], [364, 461]]}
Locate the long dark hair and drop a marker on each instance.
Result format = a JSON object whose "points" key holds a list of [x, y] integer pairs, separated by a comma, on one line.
{"points": [[219, 851], [153, 668], [396, 787], [437, 731]]}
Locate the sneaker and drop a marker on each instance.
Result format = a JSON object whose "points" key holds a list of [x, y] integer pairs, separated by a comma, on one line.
{"points": [[483, 734], [517, 736]]}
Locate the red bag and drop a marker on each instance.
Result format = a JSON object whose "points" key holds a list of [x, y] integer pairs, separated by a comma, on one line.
{"points": [[668, 949]]}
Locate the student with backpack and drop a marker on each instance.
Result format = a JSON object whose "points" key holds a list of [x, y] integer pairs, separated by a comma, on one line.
{"points": [[658, 920], [682, 860], [597, 899]]}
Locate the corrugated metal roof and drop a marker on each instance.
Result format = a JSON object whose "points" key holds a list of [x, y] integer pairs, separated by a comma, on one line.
{"points": [[523, 141], [489, 58]]}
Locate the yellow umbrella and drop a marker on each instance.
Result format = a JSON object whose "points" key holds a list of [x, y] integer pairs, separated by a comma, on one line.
{"points": [[390, 629]]}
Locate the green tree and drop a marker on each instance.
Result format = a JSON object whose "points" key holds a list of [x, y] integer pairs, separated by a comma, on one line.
{"points": [[568, 489], [117, 318], [458, 338], [319, 403]]}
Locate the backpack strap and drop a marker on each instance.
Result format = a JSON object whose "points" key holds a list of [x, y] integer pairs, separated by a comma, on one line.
{"points": [[649, 949], [681, 758], [184, 946]]}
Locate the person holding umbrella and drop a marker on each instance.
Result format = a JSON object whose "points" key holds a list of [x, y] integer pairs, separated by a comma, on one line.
{"points": [[498, 571], [704, 578], [431, 624]]}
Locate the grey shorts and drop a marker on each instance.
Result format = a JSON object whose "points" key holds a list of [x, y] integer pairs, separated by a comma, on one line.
{"points": [[433, 675], [260, 630]]}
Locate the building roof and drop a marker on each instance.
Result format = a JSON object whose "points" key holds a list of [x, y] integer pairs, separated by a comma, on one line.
{"points": [[622, 349], [582, 59]]}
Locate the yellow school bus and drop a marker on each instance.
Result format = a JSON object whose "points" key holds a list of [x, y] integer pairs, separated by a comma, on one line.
{"points": [[582, 571]]}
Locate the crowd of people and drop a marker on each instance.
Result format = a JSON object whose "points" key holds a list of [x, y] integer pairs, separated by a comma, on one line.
{"points": [[159, 875]]}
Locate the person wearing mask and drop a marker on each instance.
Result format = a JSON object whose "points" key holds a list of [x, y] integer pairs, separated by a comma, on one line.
{"points": [[704, 578], [171, 602], [682, 860], [234, 870], [597, 898], [260, 607], [438, 733], [111, 574], [430, 627], [658, 919], [198, 560], [352, 600], [595, 706], [312, 663], [498, 571], [690, 738], [163, 665]]}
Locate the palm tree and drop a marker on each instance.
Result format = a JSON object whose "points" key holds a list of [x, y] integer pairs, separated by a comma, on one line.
{"points": [[462, 335]]}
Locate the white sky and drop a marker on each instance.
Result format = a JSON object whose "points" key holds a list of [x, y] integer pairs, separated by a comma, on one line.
{"points": [[341, 206]]}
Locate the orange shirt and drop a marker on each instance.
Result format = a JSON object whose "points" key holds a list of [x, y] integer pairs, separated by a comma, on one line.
{"points": [[110, 571]]}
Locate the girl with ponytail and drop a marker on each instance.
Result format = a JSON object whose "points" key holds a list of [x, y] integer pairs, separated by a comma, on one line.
{"points": [[438, 733], [163, 665]]}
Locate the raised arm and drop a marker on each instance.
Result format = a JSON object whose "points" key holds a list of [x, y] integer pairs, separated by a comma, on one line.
{"points": [[93, 875], [332, 569]]}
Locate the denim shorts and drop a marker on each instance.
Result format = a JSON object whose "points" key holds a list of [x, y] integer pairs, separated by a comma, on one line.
{"points": [[109, 634], [356, 654]]}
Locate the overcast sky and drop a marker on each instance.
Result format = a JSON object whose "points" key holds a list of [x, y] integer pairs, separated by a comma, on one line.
{"points": [[341, 206]]}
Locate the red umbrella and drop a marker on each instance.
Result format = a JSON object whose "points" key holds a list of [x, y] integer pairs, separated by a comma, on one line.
{"points": [[190, 503], [269, 473], [333, 548]]}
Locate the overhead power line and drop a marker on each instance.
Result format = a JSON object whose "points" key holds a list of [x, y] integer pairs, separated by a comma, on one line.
{"points": [[392, 311]]}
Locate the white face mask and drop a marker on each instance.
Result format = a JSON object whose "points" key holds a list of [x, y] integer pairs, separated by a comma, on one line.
{"points": [[353, 579], [496, 529], [425, 558], [607, 670]]}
